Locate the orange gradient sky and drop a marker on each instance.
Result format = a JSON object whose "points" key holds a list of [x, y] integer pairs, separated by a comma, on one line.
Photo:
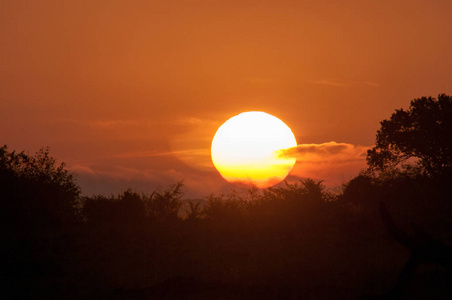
{"points": [[130, 93]]}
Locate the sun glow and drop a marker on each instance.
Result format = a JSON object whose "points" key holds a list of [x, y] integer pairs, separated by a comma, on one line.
{"points": [[246, 149]]}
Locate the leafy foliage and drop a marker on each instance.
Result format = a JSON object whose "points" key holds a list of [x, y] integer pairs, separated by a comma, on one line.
{"points": [[36, 189], [423, 133], [39, 210]]}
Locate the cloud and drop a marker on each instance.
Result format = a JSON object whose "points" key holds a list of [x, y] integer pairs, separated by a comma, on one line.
{"points": [[146, 171], [331, 151], [143, 154], [336, 163], [113, 124], [192, 144], [194, 157], [343, 83], [260, 80], [113, 172], [109, 179]]}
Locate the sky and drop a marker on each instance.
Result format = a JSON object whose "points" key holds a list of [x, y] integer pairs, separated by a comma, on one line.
{"points": [[129, 94]]}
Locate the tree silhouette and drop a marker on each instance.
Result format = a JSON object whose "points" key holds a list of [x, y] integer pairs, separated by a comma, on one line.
{"points": [[283, 242], [35, 191], [409, 171], [39, 211], [422, 133]]}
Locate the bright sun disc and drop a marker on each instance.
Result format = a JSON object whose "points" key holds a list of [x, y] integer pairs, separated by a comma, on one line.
{"points": [[246, 149]]}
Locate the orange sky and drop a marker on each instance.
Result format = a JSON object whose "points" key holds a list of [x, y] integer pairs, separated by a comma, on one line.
{"points": [[130, 93]]}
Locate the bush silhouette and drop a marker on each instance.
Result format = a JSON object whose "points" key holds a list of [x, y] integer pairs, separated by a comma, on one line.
{"points": [[165, 205], [127, 209]]}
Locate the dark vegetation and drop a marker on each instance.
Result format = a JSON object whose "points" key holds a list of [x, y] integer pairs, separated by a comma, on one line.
{"points": [[387, 233]]}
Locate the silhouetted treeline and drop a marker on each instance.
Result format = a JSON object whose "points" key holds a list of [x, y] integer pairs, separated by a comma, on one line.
{"points": [[294, 241], [388, 232]]}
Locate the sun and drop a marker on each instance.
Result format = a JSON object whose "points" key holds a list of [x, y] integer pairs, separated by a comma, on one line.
{"points": [[246, 149]]}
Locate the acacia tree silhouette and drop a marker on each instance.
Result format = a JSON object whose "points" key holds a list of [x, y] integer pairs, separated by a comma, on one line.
{"points": [[410, 169], [423, 132]]}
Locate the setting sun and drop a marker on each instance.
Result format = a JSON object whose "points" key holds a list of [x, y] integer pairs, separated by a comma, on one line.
{"points": [[246, 147]]}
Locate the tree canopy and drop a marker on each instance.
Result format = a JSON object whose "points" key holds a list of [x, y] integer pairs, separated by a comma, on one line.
{"points": [[35, 190], [422, 134]]}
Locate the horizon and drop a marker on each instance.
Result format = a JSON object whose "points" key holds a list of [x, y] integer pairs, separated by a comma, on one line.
{"points": [[130, 94]]}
